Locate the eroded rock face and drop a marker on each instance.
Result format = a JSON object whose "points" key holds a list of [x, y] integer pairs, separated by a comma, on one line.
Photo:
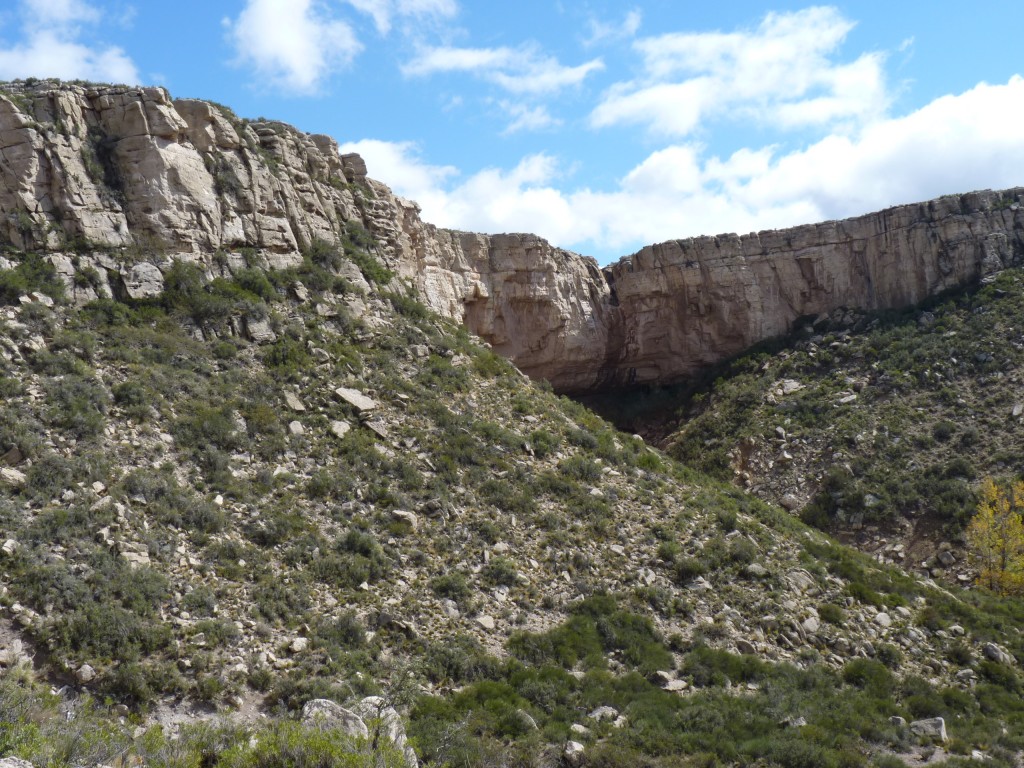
{"points": [[686, 304], [122, 181]]}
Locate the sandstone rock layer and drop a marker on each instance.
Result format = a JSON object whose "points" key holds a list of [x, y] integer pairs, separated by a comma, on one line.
{"points": [[687, 304], [119, 182]]}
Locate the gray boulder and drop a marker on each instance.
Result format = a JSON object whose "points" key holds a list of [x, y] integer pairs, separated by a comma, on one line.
{"points": [[388, 724], [328, 714], [933, 728], [993, 652]]}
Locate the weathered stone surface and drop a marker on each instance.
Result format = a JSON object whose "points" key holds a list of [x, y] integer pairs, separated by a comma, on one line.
{"points": [[932, 728], [993, 652], [12, 477], [185, 179], [326, 713], [356, 399], [604, 713], [573, 754], [745, 647], [143, 281], [85, 674], [387, 722]]}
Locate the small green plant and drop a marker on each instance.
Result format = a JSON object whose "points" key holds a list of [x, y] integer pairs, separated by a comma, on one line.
{"points": [[32, 273]]}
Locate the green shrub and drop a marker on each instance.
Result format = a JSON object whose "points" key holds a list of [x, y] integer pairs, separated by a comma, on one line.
{"points": [[32, 273], [274, 600], [832, 614], [870, 675], [501, 571], [342, 633], [580, 468], [453, 586], [200, 601], [79, 405], [706, 666], [689, 568], [207, 426], [218, 632]]}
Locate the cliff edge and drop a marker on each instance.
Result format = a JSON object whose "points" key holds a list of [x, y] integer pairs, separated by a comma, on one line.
{"points": [[115, 183]]}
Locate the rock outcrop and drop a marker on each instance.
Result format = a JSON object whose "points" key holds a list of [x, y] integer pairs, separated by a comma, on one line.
{"points": [[687, 304], [116, 183]]}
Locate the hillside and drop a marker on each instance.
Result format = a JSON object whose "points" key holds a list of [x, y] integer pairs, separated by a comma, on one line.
{"points": [[877, 427], [245, 485], [199, 521]]}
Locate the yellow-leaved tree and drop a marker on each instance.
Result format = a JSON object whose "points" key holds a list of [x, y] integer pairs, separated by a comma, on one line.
{"points": [[995, 536]]}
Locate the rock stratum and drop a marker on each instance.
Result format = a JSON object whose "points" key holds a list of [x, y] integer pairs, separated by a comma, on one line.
{"points": [[116, 183]]}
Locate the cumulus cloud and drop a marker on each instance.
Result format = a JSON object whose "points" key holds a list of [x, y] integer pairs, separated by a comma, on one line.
{"points": [[782, 73], [523, 70], [954, 144], [420, 181], [295, 44], [51, 45]]}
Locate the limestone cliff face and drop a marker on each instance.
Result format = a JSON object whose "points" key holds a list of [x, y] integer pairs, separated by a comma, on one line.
{"points": [[122, 181], [686, 304], [104, 177]]}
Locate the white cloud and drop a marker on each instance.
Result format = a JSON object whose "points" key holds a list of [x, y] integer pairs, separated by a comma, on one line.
{"points": [[384, 12], [603, 32], [295, 44], [48, 12], [401, 162], [954, 144], [517, 70], [51, 46], [781, 73], [527, 118]]}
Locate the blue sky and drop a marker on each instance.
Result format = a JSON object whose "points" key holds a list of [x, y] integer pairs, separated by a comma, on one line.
{"points": [[602, 126]]}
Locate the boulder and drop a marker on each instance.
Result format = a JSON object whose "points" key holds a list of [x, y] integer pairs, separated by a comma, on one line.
{"points": [[573, 754], [933, 728], [409, 518], [329, 714], [386, 722], [143, 281], [85, 674], [993, 652], [745, 647], [12, 478], [356, 399]]}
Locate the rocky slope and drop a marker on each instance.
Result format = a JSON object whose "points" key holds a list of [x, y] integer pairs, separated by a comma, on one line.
{"points": [[877, 427], [243, 474], [261, 490], [101, 170]]}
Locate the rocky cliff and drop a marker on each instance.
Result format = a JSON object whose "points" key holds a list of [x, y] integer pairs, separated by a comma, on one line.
{"points": [[115, 183], [686, 304]]}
